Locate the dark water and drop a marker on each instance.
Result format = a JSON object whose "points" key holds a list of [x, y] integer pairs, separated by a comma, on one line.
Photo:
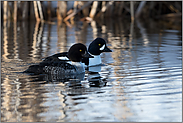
{"points": [[141, 80]]}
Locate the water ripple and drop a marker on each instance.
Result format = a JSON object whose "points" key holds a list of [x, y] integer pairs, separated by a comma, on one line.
{"points": [[140, 81]]}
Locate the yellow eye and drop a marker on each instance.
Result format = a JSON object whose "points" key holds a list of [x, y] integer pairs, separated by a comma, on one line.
{"points": [[99, 44], [80, 50]]}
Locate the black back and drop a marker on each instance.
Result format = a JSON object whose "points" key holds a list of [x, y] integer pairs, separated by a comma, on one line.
{"points": [[50, 63]]}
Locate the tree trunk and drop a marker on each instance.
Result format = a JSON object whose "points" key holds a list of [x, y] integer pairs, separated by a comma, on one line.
{"points": [[15, 11], [5, 7], [94, 9]]}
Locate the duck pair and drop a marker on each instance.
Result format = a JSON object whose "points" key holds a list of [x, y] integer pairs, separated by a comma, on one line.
{"points": [[73, 61]]}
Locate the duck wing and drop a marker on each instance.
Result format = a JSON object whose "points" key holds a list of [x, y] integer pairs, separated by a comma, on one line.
{"points": [[53, 65], [57, 57]]}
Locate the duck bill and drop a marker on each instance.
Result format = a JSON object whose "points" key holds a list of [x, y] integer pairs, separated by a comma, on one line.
{"points": [[106, 49], [87, 55]]}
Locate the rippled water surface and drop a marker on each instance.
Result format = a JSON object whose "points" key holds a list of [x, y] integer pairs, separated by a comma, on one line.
{"points": [[141, 80]]}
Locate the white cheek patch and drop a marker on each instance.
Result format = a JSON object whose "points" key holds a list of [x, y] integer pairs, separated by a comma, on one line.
{"points": [[63, 58], [102, 48]]}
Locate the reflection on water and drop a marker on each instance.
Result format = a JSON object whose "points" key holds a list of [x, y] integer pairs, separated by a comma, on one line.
{"points": [[95, 78], [139, 81]]}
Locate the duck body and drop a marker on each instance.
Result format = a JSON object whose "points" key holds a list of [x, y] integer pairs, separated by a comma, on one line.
{"points": [[62, 63]]}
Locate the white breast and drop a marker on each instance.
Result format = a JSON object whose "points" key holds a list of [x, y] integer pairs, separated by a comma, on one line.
{"points": [[95, 61]]}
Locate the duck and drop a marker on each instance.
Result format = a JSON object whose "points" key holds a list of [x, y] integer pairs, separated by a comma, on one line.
{"points": [[62, 63], [96, 47]]}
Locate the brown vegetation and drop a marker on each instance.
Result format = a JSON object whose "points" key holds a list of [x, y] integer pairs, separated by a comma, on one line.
{"points": [[36, 10]]}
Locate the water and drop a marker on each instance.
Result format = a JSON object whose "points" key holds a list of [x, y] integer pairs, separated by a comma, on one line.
{"points": [[141, 80]]}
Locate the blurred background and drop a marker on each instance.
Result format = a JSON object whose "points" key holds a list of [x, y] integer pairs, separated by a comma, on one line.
{"points": [[141, 80], [83, 10]]}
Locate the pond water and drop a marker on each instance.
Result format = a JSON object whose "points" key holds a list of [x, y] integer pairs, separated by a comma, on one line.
{"points": [[140, 81]]}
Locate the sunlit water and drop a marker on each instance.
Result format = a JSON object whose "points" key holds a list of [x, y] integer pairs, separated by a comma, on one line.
{"points": [[141, 80]]}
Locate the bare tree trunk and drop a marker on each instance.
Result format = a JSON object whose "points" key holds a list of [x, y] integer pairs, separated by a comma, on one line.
{"points": [[40, 10], [36, 11], [94, 9], [5, 7], [15, 11], [62, 10], [132, 10], [139, 9], [58, 12], [75, 6]]}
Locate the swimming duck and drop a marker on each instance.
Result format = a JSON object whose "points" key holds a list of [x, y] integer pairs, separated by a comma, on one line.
{"points": [[63, 63]]}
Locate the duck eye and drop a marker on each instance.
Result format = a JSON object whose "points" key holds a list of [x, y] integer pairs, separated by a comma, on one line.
{"points": [[80, 50], [99, 44]]}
